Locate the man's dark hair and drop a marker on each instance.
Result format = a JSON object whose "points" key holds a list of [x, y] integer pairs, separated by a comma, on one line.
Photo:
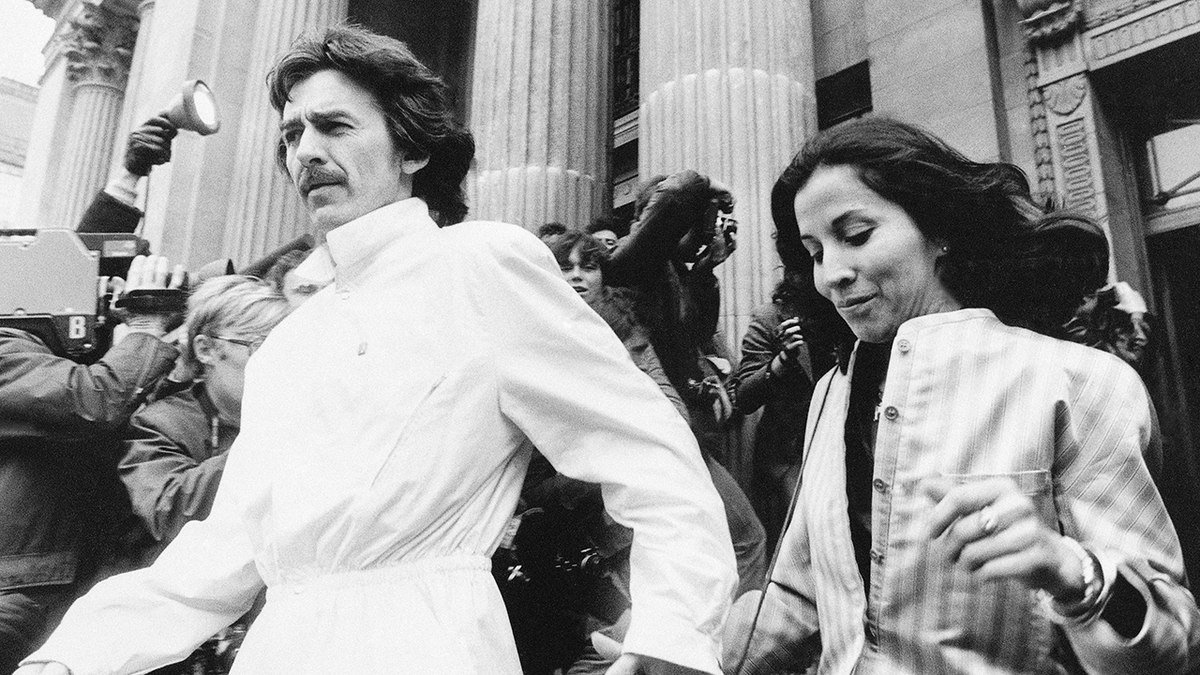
{"points": [[415, 102], [552, 229]]}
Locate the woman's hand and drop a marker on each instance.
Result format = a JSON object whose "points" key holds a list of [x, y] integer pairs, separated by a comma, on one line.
{"points": [[47, 668], [992, 529]]}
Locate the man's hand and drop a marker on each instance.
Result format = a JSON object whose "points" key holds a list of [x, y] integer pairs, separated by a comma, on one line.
{"points": [[48, 668], [149, 145], [636, 664], [152, 272]]}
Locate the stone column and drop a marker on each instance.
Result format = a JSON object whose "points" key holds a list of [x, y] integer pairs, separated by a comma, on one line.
{"points": [[145, 13], [98, 49], [264, 210], [540, 111], [727, 90]]}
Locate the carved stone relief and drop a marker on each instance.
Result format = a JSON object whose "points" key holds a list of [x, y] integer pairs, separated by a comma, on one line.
{"points": [[99, 46], [1079, 186], [1048, 21], [1064, 96]]}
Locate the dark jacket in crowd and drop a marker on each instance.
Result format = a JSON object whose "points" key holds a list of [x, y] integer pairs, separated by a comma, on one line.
{"points": [[106, 213], [173, 461], [784, 399], [679, 306], [60, 499]]}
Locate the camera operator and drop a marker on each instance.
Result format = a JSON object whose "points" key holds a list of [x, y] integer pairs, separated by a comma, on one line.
{"points": [[57, 418], [114, 208]]}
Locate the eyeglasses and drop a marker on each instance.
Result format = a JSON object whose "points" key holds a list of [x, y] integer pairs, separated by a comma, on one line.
{"points": [[251, 344]]}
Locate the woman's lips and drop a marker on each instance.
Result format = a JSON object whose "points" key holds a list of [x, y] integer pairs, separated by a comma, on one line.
{"points": [[851, 303]]}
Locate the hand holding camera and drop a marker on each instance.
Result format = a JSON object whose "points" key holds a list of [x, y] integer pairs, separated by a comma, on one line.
{"points": [[151, 298], [724, 228], [791, 340]]}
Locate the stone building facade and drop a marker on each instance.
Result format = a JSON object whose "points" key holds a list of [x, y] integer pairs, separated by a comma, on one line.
{"points": [[571, 101]]}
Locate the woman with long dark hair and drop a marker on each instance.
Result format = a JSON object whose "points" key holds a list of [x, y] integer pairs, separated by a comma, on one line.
{"points": [[974, 497]]}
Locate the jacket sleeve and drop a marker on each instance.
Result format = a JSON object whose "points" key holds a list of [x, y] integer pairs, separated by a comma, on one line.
{"points": [[106, 213], [1107, 501], [167, 485], [567, 383], [777, 630], [753, 385], [40, 388], [134, 622], [678, 204]]}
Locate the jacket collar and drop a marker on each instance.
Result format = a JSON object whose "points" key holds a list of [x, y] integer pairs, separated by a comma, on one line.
{"points": [[350, 247]]}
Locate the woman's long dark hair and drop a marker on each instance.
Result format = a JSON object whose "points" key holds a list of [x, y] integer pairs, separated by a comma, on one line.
{"points": [[1032, 269]]}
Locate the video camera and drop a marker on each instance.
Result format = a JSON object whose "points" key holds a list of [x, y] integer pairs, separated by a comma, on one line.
{"points": [[54, 284]]}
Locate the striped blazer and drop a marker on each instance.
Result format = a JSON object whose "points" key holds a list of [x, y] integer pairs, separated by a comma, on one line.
{"points": [[970, 398]]}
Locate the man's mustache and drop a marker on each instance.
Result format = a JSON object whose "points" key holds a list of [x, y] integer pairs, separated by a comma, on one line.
{"points": [[316, 176]]}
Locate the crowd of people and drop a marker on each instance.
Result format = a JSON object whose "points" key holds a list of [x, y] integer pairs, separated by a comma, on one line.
{"points": [[409, 443]]}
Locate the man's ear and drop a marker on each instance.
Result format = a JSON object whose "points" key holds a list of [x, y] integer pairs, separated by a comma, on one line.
{"points": [[206, 349], [411, 166]]}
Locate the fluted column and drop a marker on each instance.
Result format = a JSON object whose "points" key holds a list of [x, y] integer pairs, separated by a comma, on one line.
{"points": [[98, 49], [264, 209], [727, 89], [540, 111]]}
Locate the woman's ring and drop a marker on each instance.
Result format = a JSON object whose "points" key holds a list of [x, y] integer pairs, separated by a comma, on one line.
{"points": [[987, 520]]}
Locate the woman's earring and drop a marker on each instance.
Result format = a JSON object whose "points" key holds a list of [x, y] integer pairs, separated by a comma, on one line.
{"points": [[945, 249]]}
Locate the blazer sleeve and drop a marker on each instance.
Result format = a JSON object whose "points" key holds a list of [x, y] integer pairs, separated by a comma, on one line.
{"points": [[1107, 501], [568, 384], [778, 630]]}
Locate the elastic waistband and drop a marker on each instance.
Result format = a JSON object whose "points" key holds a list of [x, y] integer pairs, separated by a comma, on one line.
{"points": [[387, 574]]}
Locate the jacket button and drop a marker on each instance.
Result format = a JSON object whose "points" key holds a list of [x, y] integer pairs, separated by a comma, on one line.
{"points": [[890, 412], [880, 486], [904, 346], [876, 556]]}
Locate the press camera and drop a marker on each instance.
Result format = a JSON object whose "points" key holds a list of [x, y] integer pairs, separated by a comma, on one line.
{"points": [[54, 283]]}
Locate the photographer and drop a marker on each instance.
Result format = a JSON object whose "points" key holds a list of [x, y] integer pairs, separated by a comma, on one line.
{"points": [[57, 470], [682, 231]]}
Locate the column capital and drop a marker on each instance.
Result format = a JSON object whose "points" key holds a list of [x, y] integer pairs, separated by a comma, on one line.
{"points": [[1049, 21], [98, 45]]}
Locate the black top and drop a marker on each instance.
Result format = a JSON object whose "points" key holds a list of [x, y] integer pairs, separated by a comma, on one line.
{"points": [[862, 419]]}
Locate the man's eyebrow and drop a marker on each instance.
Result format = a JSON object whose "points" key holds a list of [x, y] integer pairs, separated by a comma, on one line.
{"points": [[316, 117]]}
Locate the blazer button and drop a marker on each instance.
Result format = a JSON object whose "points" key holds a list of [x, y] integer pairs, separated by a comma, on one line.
{"points": [[904, 346], [880, 486], [890, 412], [876, 556]]}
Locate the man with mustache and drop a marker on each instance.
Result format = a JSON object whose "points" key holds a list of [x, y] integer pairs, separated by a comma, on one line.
{"points": [[387, 424]]}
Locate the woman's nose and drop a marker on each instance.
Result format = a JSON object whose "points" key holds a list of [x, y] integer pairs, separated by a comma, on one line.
{"points": [[836, 270]]}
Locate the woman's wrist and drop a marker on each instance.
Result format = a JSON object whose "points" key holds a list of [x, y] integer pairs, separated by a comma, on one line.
{"points": [[1078, 599]]}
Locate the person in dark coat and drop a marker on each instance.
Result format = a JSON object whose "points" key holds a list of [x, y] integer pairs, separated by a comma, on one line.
{"points": [[60, 499], [174, 448]]}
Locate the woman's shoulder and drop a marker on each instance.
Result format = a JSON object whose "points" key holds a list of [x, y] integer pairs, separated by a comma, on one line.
{"points": [[1079, 365]]}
